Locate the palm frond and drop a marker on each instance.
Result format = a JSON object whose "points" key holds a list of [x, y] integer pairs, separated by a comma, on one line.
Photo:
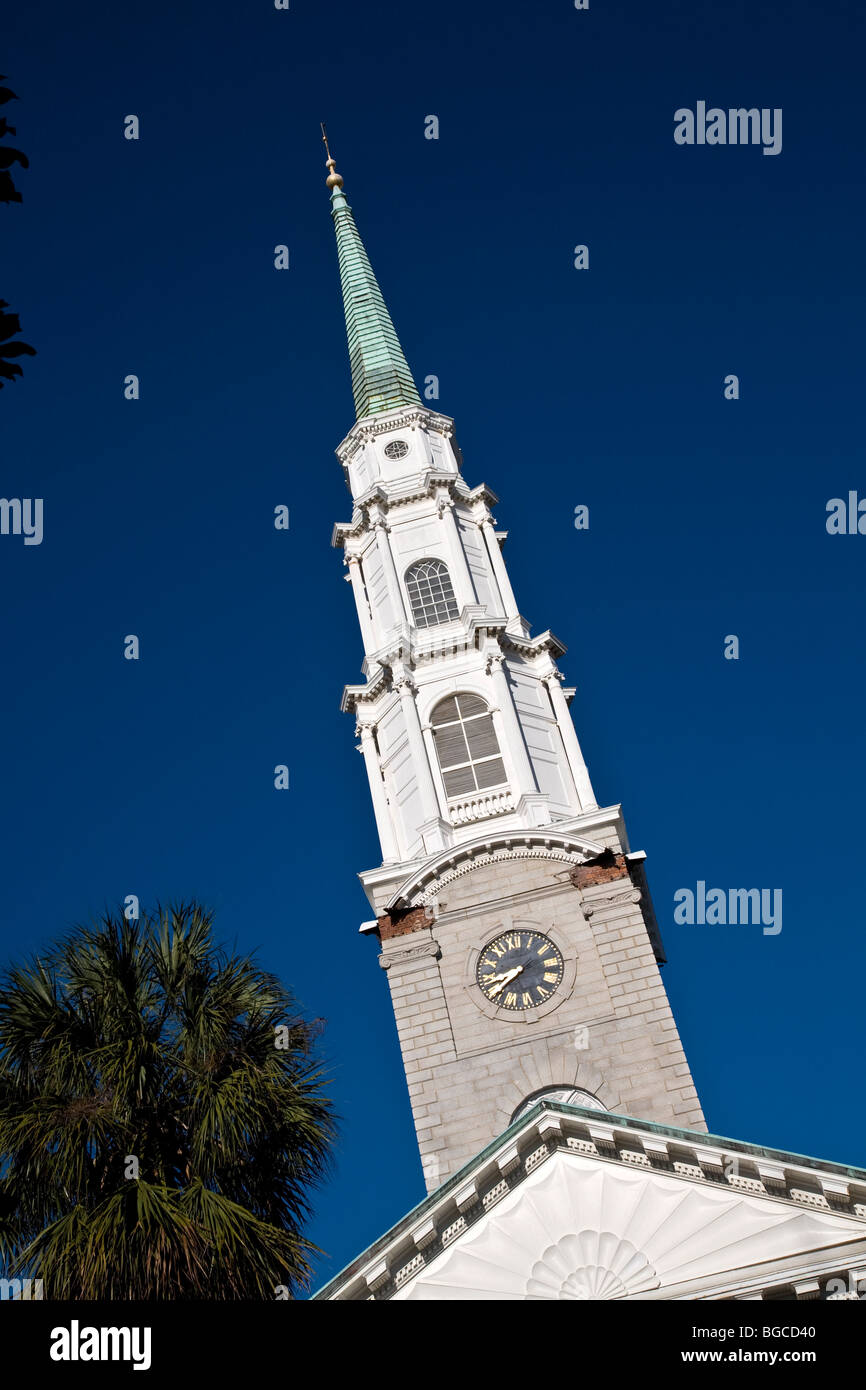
{"points": [[154, 1142]]}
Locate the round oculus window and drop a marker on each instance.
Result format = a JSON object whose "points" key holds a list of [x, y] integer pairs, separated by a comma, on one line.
{"points": [[397, 449]]}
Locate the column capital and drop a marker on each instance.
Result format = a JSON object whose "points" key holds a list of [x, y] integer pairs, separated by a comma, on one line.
{"points": [[404, 684], [495, 662], [377, 512], [444, 503], [552, 677]]}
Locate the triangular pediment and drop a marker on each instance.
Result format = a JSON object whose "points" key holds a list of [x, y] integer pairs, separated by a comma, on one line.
{"points": [[581, 1228], [571, 1203]]}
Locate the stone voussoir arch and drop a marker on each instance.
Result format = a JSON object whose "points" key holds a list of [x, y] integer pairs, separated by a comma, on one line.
{"points": [[423, 886]]}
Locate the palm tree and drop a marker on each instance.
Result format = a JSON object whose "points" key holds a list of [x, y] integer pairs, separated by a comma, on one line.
{"points": [[8, 154], [10, 324], [162, 1117]]}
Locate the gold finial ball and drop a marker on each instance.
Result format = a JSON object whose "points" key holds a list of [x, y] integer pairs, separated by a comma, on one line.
{"points": [[334, 180]]}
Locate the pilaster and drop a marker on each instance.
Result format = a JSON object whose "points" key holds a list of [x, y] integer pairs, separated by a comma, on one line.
{"points": [[461, 577], [573, 753], [365, 616], [497, 564], [381, 809]]}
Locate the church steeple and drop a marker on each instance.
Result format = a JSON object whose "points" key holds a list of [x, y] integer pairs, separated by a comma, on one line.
{"points": [[516, 929], [560, 1133], [381, 379]]}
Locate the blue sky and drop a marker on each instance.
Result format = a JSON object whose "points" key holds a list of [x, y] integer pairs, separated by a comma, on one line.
{"points": [[707, 517]]}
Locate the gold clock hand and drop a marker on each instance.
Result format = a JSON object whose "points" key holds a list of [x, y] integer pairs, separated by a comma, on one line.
{"points": [[505, 979]]}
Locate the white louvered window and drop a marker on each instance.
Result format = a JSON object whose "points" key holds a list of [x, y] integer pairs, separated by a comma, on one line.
{"points": [[430, 593], [467, 746]]}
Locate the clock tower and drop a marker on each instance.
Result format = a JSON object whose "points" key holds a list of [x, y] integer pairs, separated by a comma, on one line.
{"points": [[515, 922], [563, 1145]]}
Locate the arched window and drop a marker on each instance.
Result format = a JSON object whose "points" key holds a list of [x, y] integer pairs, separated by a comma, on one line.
{"points": [[466, 744], [430, 593]]}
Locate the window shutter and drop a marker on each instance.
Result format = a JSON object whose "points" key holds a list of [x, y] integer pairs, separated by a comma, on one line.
{"points": [[470, 705], [490, 774], [445, 712], [451, 745], [481, 737], [459, 782], [466, 745]]}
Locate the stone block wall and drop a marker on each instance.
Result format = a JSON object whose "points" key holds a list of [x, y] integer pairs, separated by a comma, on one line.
{"points": [[608, 1029]]}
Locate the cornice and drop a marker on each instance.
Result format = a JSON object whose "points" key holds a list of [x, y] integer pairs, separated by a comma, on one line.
{"points": [[482, 493], [417, 648], [415, 416], [390, 496], [534, 646], [414, 648], [354, 695]]}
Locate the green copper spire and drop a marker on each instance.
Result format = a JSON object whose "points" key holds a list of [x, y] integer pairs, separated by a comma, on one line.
{"points": [[381, 379]]}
